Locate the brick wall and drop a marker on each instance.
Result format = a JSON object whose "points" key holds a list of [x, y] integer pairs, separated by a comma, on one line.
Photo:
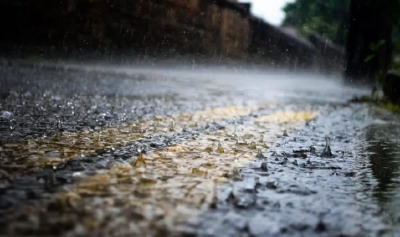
{"points": [[216, 30]]}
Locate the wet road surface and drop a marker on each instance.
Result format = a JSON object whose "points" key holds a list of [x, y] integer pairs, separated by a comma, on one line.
{"points": [[161, 152]]}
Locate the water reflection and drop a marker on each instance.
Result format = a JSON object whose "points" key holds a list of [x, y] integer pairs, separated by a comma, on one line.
{"points": [[384, 158]]}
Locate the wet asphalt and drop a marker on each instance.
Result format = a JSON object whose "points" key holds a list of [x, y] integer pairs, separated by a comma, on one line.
{"points": [[295, 188]]}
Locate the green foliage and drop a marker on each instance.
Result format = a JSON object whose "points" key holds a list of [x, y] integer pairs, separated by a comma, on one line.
{"points": [[380, 75], [328, 18], [379, 102], [375, 48]]}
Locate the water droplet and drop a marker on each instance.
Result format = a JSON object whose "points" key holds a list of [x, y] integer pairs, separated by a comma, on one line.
{"points": [[139, 161], [327, 141], [264, 166], [236, 160], [259, 154], [253, 146], [295, 162], [59, 125], [327, 153], [220, 149], [285, 134], [155, 126], [261, 140], [12, 125], [171, 126]]}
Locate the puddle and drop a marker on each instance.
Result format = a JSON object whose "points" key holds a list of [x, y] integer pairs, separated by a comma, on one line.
{"points": [[382, 152]]}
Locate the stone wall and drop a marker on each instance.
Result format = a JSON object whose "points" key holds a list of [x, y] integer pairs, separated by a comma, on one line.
{"points": [[215, 30]]}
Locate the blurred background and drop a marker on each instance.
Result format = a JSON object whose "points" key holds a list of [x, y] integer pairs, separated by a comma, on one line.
{"points": [[357, 37]]}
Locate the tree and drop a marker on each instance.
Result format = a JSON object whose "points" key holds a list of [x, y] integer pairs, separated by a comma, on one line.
{"points": [[369, 44], [329, 18], [364, 26]]}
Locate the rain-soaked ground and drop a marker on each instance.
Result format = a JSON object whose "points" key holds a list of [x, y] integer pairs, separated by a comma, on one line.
{"points": [[112, 151]]}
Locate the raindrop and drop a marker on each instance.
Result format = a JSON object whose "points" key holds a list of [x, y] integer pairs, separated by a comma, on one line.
{"points": [[12, 125], [139, 161], [259, 154], [285, 134], [285, 159], [264, 166], [309, 161], [96, 143], [234, 128], [59, 125], [327, 153], [171, 126], [253, 146], [295, 162], [155, 126], [220, 149], [261, 140]]}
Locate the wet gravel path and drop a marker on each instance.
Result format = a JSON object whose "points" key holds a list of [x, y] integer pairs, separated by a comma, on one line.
{"points": [[292, 191], [306, 196]]}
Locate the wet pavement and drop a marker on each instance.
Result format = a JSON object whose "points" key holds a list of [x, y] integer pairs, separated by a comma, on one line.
{"points": [[124, 151]]}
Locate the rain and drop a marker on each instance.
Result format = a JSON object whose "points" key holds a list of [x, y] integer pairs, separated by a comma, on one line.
{"points": [[199, 118]]}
